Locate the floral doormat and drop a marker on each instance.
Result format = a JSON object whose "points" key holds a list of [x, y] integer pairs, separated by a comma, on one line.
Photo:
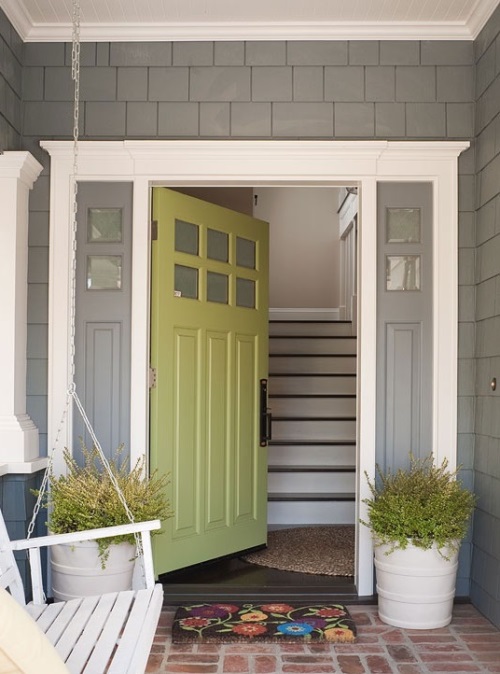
{"points": [[273, 622]]}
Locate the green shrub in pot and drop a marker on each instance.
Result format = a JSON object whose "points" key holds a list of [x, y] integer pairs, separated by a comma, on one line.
{"points": [[86, 498], [422, 505], [418, 518]]}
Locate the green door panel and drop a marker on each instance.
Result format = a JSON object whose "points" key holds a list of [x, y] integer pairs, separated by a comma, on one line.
{"points": [[209, 346]]}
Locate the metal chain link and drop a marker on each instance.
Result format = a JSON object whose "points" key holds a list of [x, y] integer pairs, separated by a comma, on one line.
{"points": [[75, 75], [71, 392]]}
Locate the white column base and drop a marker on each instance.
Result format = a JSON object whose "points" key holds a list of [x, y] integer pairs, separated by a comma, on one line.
{"points": [[18, 439]]}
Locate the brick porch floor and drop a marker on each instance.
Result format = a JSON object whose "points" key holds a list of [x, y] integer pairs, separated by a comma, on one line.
{"points": [[469, 644]]}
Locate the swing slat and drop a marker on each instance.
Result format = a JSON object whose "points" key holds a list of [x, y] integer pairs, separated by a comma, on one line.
{"points": [[114, 630]]}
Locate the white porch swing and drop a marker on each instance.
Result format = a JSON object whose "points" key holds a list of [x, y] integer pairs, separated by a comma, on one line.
{"points": [[112, 632]]}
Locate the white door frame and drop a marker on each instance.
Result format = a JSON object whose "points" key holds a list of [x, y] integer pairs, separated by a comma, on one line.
{"points": [[265, 163]]}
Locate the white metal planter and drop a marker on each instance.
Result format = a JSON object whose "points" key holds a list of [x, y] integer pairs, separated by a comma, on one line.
{"points": [[77, 569], [415, 587]]}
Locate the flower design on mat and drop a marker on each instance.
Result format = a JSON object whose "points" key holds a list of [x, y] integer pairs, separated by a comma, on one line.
{"points": [[277, 608], [250, 629], [253, 616], [316, 623], [208, 612], [338, 634], [331, 613], [295, 629], [229, 608], [194, 622]]}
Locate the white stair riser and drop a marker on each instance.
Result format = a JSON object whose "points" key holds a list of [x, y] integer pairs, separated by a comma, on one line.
{"points": [[298, 328], [315, 365], [306, 483], [300, 455], [313, 407], [312, 385], [311, 512], [314, 430], [311, 345]]}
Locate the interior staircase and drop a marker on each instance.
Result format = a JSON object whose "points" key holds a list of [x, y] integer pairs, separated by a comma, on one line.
{"points": [[312, 395]]}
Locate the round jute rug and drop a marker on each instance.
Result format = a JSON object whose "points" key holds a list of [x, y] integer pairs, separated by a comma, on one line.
{"points": [[321, 550]]}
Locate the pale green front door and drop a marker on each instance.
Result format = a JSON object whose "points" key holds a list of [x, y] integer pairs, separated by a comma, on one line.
{"points": [[209, 347]]}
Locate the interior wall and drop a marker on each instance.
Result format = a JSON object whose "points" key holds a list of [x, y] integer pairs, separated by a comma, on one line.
{"points": [[485, 577], [303, 246]]}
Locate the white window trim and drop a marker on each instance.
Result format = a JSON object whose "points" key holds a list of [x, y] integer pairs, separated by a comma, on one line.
{"points": [[264, 163]]}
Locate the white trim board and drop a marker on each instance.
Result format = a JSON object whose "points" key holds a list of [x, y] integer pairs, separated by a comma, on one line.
{"points": [[257, 163], [304, 314]]}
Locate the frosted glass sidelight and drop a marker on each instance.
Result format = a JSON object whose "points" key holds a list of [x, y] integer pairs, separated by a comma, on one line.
{"points": [[104, 272], [403, 225], [104, 225], [402, 272]]}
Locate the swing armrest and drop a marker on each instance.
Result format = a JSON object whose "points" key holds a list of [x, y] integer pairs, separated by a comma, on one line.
{"points": [[33, 546], [89, 535]]}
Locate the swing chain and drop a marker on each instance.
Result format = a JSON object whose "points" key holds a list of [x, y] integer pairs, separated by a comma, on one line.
{"points": [[46, 475], [75, 75], [71, 391]]}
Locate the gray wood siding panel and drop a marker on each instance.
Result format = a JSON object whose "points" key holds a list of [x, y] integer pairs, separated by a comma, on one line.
{"points": [[402, 411], [103, 385], [404, 334], [103, 325]]}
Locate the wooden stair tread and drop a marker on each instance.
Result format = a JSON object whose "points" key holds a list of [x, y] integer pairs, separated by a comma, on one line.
{"points": [[312, 443], [307, 320], [309, 496], [330, 418], [312, 355], [312, 395], [312, 374], [278, 468], [291, 336]]}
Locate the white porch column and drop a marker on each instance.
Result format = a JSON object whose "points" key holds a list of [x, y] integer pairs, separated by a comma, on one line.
{"points": [[18, 434]]}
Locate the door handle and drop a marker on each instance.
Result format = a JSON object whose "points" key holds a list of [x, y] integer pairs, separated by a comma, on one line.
{"points": [[266, 417]]}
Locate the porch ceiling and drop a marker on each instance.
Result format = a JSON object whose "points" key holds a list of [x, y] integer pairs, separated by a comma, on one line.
{"points": [[134, 20]]}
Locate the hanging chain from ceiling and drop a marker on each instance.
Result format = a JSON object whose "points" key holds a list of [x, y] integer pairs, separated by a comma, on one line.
{"points": [[71, 392]]}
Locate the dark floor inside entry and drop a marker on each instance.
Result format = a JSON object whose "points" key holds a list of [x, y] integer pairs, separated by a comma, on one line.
{"points": [[236, 580]]}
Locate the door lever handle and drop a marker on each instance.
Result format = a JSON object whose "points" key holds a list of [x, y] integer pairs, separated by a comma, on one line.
{"points": [[266, 418]]}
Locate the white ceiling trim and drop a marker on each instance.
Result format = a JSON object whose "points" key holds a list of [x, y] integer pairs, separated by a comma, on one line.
{"points": [[241, 30], [207, 31], [480, 15]]}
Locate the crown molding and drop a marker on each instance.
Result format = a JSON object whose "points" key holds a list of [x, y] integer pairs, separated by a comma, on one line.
{"points": [[212, 31], [18, 16], [480, 15]]}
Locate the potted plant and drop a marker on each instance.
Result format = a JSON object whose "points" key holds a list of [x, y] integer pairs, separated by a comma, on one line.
{"points": [[86, 498], [418, 518]]}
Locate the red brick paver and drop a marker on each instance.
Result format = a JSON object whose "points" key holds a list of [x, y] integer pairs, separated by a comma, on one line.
{"points": [[469, 644]]}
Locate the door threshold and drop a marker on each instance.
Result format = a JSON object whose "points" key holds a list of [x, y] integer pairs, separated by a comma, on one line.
{"points": [[182, 594], [237, 580]]}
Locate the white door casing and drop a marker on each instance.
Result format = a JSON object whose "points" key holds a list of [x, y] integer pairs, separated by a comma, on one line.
{"points": [[256, 163]]}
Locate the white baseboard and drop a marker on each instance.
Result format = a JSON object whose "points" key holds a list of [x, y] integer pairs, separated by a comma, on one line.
{"points": [[304, 314]]}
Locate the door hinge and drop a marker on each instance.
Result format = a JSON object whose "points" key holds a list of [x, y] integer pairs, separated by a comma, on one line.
{"points": [[154, 230], [152, 377]]}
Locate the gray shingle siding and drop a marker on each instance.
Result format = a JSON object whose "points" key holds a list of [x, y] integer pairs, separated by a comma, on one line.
{"points": [[11, 54], [485, 572]]}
